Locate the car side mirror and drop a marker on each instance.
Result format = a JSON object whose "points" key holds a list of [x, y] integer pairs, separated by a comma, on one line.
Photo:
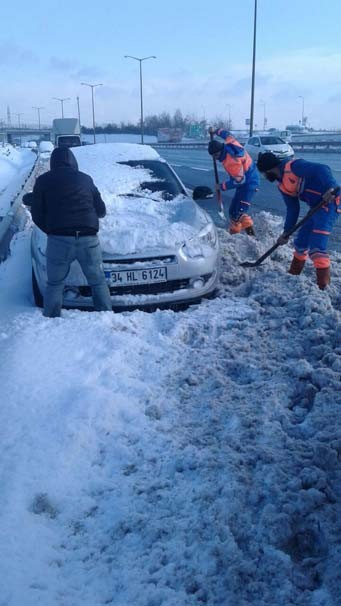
{"points": [[27, 199], [201, 192]]}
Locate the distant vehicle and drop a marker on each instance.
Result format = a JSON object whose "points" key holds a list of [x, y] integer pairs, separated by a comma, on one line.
{"points": [[45, 146], [169, 135], [283, 134], [296, 129], [33, 146], [66, 132], [269, 143], [159, 247], [45, 150]]}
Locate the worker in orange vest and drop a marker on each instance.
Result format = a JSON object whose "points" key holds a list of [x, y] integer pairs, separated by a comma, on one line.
{"points": [[242, 176], [310, 182]]}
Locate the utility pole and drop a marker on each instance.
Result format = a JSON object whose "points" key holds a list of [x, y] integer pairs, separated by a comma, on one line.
{"points": [[79, 113], [62, 102], [253, 68], [38, 110], [92, 86], [140, 59]]}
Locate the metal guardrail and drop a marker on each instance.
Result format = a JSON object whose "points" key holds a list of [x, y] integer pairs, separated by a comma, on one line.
{"points": [[314, 146], [8, 221]]}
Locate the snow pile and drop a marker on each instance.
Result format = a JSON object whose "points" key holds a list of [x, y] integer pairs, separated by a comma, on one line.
{"points": [[174, 459], [14, 166]]}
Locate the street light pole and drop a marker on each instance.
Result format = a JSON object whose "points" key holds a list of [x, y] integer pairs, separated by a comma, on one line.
{"points": [[253, 69], [92, 86], [18, 116], [140, 59], [62, 102], [79, 113], [38, 110], [229, 106], [264, 114], [300, 97]]}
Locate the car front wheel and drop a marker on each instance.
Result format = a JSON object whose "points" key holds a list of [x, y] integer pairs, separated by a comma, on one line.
{"points": [[38, 297]]}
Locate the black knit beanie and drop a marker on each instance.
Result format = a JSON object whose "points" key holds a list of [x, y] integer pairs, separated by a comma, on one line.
{"points": [[214, 147], [267, 161]]}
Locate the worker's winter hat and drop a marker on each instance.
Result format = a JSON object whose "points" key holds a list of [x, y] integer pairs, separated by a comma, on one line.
{"points": [[214, 147], [267, 161]]}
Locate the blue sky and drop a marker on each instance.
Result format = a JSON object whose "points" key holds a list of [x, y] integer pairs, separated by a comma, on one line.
{"points": [[203, 65]]}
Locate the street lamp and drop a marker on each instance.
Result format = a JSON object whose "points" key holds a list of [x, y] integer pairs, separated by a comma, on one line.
{"points": [[18, 116], [300, 97], [38, 110], [92, 86], [62, 102], [141, 97], [264, 114], [253, 68], [229, 106], [79, 114]]}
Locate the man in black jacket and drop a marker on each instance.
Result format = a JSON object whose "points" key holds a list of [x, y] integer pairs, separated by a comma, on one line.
{"points": [[66, 205]]}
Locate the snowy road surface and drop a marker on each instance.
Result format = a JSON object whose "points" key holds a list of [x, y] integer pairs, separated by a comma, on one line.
{"points": [[174, 459]]}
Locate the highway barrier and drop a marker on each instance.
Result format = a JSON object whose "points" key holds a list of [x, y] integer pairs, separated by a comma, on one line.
{"points": [[10, 223], [307, 146]]}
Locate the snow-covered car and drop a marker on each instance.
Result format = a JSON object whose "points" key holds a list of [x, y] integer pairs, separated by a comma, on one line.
{"points": [[259, 144], [45, 150], [159, 247]]}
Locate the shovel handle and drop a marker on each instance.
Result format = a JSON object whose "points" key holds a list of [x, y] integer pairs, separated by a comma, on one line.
{"points": [[217, 188]]}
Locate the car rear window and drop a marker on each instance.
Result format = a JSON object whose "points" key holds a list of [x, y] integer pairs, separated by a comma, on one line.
{"points": [[162, 178]]}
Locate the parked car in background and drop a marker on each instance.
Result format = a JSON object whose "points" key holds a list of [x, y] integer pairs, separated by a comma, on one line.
{"points": [[258, 144], [159, 247], [45, 149], [286, 135]]}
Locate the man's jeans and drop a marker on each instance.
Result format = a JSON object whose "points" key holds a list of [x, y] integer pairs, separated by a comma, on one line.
{"points": [[61, 251]]}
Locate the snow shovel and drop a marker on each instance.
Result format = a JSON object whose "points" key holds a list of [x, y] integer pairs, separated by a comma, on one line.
{"points": [[217, 188], [288, 233]]}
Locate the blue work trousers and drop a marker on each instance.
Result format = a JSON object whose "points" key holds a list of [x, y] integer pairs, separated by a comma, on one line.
{"points": [[60, 253], [241, 201], [313, 236]]}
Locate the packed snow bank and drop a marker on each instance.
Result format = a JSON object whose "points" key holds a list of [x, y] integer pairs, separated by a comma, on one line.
{"points": [[174, 459], [14, 167]]}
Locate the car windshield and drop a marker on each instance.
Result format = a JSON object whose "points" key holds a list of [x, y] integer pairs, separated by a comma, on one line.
{"points": [[271, 140], [162, 178]]}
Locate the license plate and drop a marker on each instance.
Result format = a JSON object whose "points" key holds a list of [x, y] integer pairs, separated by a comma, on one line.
{"points": [[129, 277]]}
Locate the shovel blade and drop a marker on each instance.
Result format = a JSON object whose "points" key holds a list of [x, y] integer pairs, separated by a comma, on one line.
{"points": [[249, 264]]}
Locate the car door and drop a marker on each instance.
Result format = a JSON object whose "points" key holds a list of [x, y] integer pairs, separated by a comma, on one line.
{"points": [[253, 147]]}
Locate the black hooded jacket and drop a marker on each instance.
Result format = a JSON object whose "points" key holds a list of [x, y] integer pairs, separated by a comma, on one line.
{"points": [[66, 200]]}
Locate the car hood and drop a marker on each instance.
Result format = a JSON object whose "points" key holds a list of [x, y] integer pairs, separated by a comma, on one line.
{"points": [[280, 147], [136, 224]]}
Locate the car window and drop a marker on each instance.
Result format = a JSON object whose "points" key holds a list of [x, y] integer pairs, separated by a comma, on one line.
{"points": [[162, 178], [253, 141], [271, 140]]}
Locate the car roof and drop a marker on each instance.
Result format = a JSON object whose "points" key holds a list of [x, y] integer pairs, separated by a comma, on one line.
{"points": [[118, 152]]}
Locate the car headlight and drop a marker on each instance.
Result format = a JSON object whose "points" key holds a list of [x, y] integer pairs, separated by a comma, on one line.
{"points": [[201, 244]]}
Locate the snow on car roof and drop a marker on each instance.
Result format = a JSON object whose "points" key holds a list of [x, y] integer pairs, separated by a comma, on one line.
{"points": [[119, 152], [101, 161]]}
